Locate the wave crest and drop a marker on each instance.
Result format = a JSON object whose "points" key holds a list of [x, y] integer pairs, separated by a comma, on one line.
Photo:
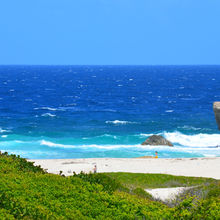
{"points": [[197, 140], [51, 144], [3, 130], [47, 108], [48, 115], [115, 122]]}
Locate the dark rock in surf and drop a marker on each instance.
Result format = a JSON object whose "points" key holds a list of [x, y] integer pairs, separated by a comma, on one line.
{"points": [[216, 108], [156, 140]]}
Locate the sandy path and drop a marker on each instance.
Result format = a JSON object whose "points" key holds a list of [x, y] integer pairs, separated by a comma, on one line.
{"points": [[198, 167], [166, 193]]}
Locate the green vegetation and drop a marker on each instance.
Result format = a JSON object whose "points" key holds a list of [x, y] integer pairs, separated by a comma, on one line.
{"points": [[134, 180], [28, 192]]}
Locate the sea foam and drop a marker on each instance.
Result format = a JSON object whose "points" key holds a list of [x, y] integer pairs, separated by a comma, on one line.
{"points": [[120, 122], [48, 115], [166, 150], [49, 108], [3, 130], [52, 144], [197, 140]]}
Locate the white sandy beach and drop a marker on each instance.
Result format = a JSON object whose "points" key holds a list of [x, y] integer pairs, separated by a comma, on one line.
{"points": [[197, 167]]}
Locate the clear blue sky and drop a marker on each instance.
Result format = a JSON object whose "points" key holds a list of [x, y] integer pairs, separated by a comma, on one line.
{"points": [[126, 32]]}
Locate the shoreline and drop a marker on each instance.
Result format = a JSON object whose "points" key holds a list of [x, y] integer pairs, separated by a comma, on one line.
{"points": [[195, 167]]}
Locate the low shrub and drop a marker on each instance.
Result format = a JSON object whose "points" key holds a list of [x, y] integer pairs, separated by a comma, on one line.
{"points": [[142, 193], [13, 163], [109, 184]]}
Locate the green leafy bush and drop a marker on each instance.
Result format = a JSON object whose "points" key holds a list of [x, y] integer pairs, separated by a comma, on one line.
{"points": [[199, 209], [109, 184], [5, 215], [142, 193], [13, 163]]}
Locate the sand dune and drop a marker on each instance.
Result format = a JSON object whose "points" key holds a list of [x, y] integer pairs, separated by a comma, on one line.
{"points": [[165, 194]]}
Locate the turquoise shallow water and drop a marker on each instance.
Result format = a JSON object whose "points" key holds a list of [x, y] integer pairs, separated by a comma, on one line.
{"points": [[108, 111]]}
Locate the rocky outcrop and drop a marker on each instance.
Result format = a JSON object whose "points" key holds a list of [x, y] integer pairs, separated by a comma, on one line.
{"points": [[157, 140], [216, 108]]}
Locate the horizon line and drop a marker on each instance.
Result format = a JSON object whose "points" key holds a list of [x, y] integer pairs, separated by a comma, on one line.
{"points": [[109, 64]]}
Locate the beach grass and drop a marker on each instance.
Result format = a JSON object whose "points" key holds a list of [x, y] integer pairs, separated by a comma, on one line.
{"points": [[150, 181]]}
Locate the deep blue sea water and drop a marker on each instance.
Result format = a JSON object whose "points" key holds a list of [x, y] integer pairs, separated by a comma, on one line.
{"points": [[108, 111]]}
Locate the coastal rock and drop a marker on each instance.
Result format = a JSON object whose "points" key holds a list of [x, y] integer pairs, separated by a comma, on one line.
{"points": [[216, 108], [157, 140]]}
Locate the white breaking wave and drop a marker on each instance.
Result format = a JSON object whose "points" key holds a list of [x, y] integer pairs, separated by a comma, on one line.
{"points": [[148, 135], [120, 122], [169, 110], [3, 130], [146, 148], [48, 115], [51, 144], [197, 140], [164, 151], [203, 143], [49, 108]]}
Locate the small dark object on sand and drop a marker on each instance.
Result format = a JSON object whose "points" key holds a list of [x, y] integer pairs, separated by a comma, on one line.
{"points": [[95, 169]]}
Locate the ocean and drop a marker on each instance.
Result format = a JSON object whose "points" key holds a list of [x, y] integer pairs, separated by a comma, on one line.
{"points": [[108, 111]]}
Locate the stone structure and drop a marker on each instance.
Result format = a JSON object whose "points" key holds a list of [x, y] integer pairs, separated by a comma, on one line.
{"points": [[216, 108], [157, 140]]}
